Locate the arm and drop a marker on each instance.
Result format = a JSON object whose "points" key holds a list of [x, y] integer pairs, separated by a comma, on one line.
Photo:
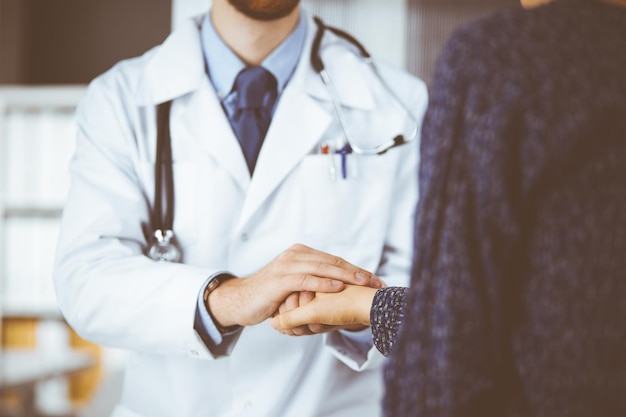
{"points": [[251, 300], [108, 291]]}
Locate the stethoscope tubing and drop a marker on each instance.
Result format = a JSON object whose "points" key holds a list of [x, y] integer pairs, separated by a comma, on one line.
{"points": [[163, 172], [318, 65]]}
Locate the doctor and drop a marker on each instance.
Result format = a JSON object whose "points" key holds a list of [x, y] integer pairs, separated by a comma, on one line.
{"points": [[256, 233]]}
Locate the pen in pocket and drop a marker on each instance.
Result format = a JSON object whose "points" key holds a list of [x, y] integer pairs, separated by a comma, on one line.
{"points": [[344, 151], [332, 170]]}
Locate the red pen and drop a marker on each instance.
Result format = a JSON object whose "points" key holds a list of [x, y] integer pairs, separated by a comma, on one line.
{"points": [[332, 171]]}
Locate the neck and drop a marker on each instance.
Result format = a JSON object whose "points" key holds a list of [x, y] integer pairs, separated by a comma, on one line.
{"points": [[252, 40]]}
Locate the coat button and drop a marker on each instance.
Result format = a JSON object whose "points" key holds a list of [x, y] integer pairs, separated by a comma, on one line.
{"points": [[245, 237]]}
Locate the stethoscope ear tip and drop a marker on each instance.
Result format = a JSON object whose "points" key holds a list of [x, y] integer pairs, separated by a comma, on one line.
{"points": [[397, 141]]}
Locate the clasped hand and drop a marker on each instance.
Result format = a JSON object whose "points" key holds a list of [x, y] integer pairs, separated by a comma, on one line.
{"points": [[296, 277], [321, 312]]}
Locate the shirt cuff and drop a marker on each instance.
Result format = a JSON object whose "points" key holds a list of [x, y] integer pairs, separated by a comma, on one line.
{"points": [[219, 344]]}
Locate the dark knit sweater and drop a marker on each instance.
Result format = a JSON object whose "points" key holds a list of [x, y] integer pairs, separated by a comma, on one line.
{"points": [[517, 305]]}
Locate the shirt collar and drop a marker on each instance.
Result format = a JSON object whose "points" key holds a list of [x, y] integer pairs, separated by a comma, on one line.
{"points": [[223, 64]]}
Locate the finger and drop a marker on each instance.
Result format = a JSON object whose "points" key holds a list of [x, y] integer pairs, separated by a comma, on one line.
{"points": [[305, 297], [301, 331], [295, 331], [349, 275], [306, 282], [290, 320], [298, 331], [322, 264], [368, 279], [277, 325], [320, 328], [315, 283], [291, 302]]}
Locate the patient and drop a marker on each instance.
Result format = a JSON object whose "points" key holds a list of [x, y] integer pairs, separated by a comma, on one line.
{"points": [[517, 300]]}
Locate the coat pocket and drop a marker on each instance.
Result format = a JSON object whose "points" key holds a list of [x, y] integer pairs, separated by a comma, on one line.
{"points": [[351, 210]]}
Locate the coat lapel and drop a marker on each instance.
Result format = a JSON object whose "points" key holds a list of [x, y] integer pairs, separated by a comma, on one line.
{"points": [[176, 71], [200, 115], [290, 137]]}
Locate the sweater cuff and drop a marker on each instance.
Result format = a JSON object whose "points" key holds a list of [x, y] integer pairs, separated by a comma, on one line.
{"points": [[386, 317]]}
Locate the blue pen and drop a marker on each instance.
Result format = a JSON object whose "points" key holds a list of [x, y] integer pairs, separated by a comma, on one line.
{"points": [[344, 160]]}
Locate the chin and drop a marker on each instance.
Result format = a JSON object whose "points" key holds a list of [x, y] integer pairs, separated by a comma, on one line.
{"points": [[265, 10]]}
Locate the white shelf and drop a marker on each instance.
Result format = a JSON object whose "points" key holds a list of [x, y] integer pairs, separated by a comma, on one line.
{"points": [[37, 134], [41, 97], [33, 211], [42, 308]]}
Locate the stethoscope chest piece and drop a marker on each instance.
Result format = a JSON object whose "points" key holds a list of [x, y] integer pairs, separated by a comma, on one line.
{"points": [[164, 248]]}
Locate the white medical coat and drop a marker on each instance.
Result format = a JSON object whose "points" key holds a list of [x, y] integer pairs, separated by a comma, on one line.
{"points": [[225, 221]]}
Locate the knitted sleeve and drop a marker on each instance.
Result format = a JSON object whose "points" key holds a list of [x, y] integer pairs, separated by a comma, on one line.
{"points": [[386, 317]]}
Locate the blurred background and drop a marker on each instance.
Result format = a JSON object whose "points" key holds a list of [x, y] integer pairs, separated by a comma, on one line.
{"points": [[49, 51]]}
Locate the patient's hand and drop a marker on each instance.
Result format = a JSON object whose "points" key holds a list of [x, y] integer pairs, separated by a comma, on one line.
{"points": [[308, 313]]}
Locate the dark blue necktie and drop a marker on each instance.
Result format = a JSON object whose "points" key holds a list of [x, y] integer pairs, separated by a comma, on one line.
{"points": [[256, 94]]}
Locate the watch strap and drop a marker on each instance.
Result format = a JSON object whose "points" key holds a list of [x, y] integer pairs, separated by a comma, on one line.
{"points": [[213, 283]]}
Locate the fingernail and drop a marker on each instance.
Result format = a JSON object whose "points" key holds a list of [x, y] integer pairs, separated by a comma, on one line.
{"points": [[361, 278], [375, 282], [336, 284]]}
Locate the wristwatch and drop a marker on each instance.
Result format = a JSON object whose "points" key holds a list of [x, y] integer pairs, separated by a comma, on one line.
{"points": [[210, 287]]}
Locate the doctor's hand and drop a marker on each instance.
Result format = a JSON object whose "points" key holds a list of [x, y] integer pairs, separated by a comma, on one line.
{"points": [[345, 309], [251, 300]]}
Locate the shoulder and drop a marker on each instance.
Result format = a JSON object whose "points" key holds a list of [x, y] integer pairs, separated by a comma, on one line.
{"points": [[410, 88], [125, 75], [477, 49], [111, 95], [399, 76]]}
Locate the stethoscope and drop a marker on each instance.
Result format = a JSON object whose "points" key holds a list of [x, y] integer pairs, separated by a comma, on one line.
{"points": [[318, 66], [164, 246]]}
